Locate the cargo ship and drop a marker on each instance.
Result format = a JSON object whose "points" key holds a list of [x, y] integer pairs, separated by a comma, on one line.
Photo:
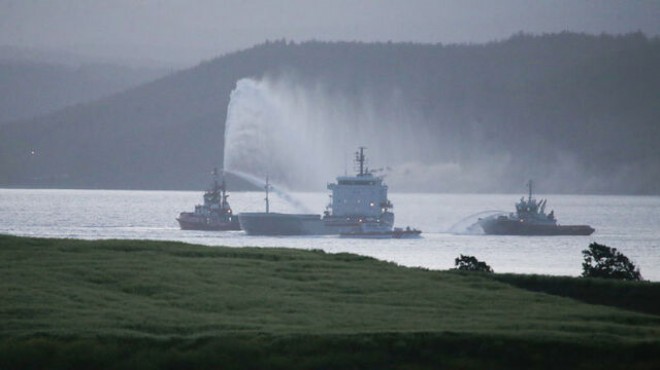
{"points": [[215, 214], [530, 219], [356, 201]]}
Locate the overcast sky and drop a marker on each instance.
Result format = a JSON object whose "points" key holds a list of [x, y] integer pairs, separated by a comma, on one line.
{"points": [[184, 32]]}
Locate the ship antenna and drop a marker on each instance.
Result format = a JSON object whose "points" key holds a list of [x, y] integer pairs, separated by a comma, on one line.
{"points": [[223, 189], [215, 177], [267, 187], [359, 157]]}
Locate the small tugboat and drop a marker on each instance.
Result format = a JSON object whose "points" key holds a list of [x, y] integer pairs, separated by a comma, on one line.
{"points": [[408, 232], [368, 232], [215, 214], [530, 219]]}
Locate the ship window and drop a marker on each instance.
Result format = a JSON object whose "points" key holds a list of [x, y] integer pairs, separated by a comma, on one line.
{"points": [[356, 182]]}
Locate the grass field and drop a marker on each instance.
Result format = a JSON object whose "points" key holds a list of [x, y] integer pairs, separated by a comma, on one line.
{"points": [[141, 304]]}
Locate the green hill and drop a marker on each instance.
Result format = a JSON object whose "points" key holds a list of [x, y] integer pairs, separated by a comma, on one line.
{"points": [[119, 304], [30, 87]]}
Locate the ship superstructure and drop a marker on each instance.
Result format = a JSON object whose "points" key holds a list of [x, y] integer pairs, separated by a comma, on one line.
{"points": [[358, 203], [533, 211]]}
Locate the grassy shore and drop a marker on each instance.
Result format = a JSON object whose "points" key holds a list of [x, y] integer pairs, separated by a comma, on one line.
{"points": [[141, 304]]}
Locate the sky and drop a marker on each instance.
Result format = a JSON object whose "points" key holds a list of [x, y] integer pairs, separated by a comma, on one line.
{"points": [[185, 32]]}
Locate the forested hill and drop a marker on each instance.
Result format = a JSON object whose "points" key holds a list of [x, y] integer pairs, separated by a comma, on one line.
{"points": [[578, 113], [30, 88]]}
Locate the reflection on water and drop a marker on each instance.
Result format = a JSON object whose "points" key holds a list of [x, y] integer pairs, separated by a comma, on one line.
{"points": [[627, 223]]}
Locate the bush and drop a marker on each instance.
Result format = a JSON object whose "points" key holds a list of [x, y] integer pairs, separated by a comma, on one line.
{"points": [[601, 261], [470, 263]]}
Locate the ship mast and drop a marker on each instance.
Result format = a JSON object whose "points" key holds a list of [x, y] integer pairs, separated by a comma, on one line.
{"points": [[214, 186], [359, 158], [529, 185], [267, 187], [223, 190]]}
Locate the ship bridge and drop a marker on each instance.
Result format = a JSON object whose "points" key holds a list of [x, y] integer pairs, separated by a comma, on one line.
{"points": [[363, 195]]}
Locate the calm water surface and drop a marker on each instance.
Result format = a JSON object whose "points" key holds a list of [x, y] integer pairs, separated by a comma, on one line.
{"points": [[629, 223]]}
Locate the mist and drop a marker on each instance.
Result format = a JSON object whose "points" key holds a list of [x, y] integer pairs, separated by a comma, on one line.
{"points": [[576, 113], [180, 33], [303, 136]]}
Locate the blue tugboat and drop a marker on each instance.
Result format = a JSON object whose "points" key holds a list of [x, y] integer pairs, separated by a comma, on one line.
{"points": [[530, 219], [215, 214]]}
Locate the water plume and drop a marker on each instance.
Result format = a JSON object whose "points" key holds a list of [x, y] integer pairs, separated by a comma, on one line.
{"points": [[258, 182], [303, 135]]}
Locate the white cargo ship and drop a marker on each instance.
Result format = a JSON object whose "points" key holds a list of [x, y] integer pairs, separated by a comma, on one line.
{"points": [[359, 205]]}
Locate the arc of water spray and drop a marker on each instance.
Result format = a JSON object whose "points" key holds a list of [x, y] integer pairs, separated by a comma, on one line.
{"points": [[280, 192], [465, 225], [259, 183]]}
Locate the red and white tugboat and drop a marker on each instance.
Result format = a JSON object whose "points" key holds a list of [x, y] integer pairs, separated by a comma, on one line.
{"points": [[214, 214]]}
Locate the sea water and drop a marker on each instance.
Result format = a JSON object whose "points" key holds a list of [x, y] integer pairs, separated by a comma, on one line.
{"points": [[629, 223]]}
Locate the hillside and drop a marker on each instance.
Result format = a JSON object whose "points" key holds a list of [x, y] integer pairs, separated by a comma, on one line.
{"points": [[130, 304], [577, 113], [33, 88]]}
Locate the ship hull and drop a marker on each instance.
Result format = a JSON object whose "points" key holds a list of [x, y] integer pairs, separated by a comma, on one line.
{"points": [[188, 221], [261, 223], [516, 227], [394, 234]]}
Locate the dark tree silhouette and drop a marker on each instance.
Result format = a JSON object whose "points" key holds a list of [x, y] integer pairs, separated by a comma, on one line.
{"points": [[604, 262], [471, 263]]}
